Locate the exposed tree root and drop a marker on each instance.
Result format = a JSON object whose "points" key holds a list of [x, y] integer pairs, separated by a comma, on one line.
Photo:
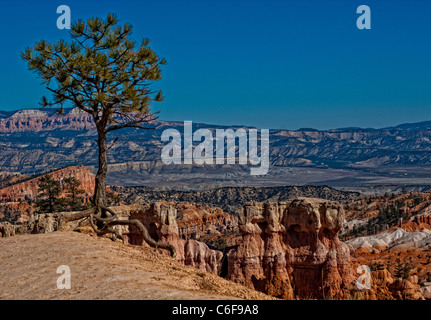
{"points": [[76, 216], [107, 225]]}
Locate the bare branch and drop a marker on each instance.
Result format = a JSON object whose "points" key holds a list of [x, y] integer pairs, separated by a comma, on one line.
{"points": [[112, 144]]}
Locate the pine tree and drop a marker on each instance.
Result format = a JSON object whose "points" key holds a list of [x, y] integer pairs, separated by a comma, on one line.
{"points": [[108, 75], [104, 73], [402, 270], [73, 191], [49, 192]]}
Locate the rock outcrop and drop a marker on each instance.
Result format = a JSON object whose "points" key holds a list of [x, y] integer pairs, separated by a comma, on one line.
{"points": [[426, 290], [16, 212], [39, 223], [160, 218], [406, 289], [384, 286], [291, 249], [422, 219], [195, 220], [28, 190], [9, 178], [7, 229]]}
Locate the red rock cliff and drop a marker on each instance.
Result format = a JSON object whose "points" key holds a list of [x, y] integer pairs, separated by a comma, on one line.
{"points": [[43, 120], [28, 190], [291, 249], [195, 219], [160, 218]]}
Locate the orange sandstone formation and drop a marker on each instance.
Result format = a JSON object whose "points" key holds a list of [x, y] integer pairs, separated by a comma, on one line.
{"points": [[160, 218], [28, 190], [291, 249]]}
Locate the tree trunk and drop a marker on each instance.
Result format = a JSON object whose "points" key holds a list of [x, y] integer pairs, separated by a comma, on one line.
{"points": [[99, 198]]}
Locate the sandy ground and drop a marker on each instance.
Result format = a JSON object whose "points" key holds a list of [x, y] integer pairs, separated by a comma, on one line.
{"points": [[102, 269]]}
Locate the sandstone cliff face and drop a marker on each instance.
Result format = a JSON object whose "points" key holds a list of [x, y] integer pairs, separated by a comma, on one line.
{"points": [[160, 218], [291, 249], [9, 178], [28, 190], [195, 220], [36, 120]]}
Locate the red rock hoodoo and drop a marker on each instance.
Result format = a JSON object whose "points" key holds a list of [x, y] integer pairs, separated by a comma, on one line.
{"points": [[291, 249], [160, 218]]}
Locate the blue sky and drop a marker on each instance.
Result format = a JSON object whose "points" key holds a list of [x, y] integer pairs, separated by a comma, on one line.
{"points": [[270, 64]]}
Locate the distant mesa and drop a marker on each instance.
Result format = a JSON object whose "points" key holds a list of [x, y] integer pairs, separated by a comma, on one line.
{"points": [[35, 120]]}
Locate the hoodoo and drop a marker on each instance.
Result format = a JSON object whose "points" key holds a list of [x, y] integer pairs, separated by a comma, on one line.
{"points": [[291, 249]]}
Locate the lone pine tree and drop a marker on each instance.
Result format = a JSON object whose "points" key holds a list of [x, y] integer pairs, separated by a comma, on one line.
{"points": [[106, 74]]}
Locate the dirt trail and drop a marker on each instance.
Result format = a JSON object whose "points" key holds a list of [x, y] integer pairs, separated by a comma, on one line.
{"points": [[102, 269]]}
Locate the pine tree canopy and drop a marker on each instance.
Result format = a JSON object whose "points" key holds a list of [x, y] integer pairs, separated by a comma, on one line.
{"points": [[102, 72]]}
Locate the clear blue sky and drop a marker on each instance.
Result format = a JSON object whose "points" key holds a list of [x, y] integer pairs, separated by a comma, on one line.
{"points": [[270, 64]]}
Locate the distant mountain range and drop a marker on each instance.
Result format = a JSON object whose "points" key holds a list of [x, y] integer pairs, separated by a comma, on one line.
{"points": [[48, 119], [423, 125], [37, 140]]}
